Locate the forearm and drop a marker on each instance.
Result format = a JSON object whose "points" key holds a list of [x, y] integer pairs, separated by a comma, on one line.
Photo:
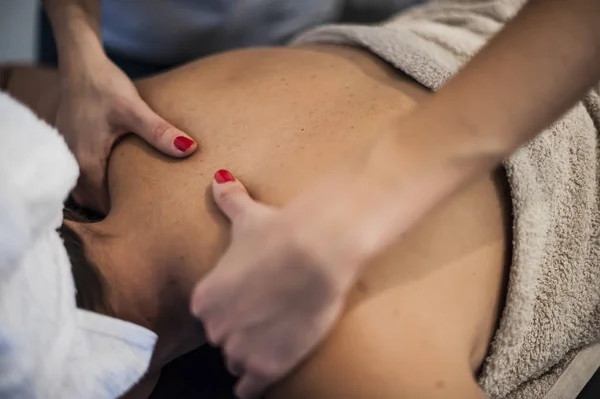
{"points": [[76, 26], [526, 77]]}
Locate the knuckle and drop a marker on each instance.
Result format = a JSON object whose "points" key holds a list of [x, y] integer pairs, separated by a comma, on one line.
{"points": [[228, 196], [231, 353], [234, 366], [233, 190], [235, 360], [200, 301], [198, 306], [159, 130], [234, 347], [266, 367], [201, 311], [214, 334], [224, 196], [217, 329]]}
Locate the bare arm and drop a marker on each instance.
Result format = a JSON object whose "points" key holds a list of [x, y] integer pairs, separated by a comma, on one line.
{"points": [[99, 103], [531, 73], [524, 79], [76, 26]]}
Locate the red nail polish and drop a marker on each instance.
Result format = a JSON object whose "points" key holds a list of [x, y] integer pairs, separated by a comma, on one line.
{"points": [[182, 143], [224, 176]]}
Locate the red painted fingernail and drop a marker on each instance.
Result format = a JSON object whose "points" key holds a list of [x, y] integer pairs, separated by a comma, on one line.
{"points": [[182, 143], [224, 176]]}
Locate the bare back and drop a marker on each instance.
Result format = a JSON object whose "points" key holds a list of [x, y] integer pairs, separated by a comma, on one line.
{"points": [[279, 119]]}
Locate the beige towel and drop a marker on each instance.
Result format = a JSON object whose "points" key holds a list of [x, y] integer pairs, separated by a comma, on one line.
{"points": [[547, 344]]}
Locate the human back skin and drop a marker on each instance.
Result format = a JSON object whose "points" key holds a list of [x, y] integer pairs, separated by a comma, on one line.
{"points": [[421, 316]]}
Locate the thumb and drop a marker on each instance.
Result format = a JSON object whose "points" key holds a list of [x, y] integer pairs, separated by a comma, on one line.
{"points": [[161, 134], [230, 195]]}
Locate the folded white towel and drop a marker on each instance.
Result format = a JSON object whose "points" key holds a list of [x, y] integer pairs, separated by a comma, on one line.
{"points": [[48, 348]]}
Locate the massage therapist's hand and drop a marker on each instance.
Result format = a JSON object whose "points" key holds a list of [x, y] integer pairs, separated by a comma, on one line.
{"points": [[96, 108], [271, 298], [282, 283]]}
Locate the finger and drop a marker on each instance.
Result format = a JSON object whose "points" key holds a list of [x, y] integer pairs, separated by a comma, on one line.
{"points": [[230, 195], [161, 134], [206, 305], [216, 333], [233, 354], [235, 366], [250, 386]]}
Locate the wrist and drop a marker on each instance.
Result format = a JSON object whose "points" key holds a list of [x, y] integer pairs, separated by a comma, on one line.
{"points": [[76, 27], [86, 73], [434, 146], [410, 158], [406, 174], [81, 55]]}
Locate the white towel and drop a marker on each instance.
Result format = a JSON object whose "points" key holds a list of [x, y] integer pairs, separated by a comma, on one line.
{"points": [[550, 326], [48, 348]]}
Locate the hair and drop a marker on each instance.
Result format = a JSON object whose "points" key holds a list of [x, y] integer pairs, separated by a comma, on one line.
{"points": [[90, 285], [5, 76]]}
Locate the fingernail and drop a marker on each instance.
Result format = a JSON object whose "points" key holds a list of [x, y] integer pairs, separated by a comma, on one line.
{"points": [[182, 143], [224, 176]]}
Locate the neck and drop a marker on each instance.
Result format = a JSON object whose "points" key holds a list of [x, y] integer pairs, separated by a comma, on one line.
{"points": [[151, 276]]}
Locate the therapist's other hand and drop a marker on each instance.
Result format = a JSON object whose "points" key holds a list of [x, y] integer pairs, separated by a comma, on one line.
{"points": [[274, 294], [282, 283], [99, 105]]}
